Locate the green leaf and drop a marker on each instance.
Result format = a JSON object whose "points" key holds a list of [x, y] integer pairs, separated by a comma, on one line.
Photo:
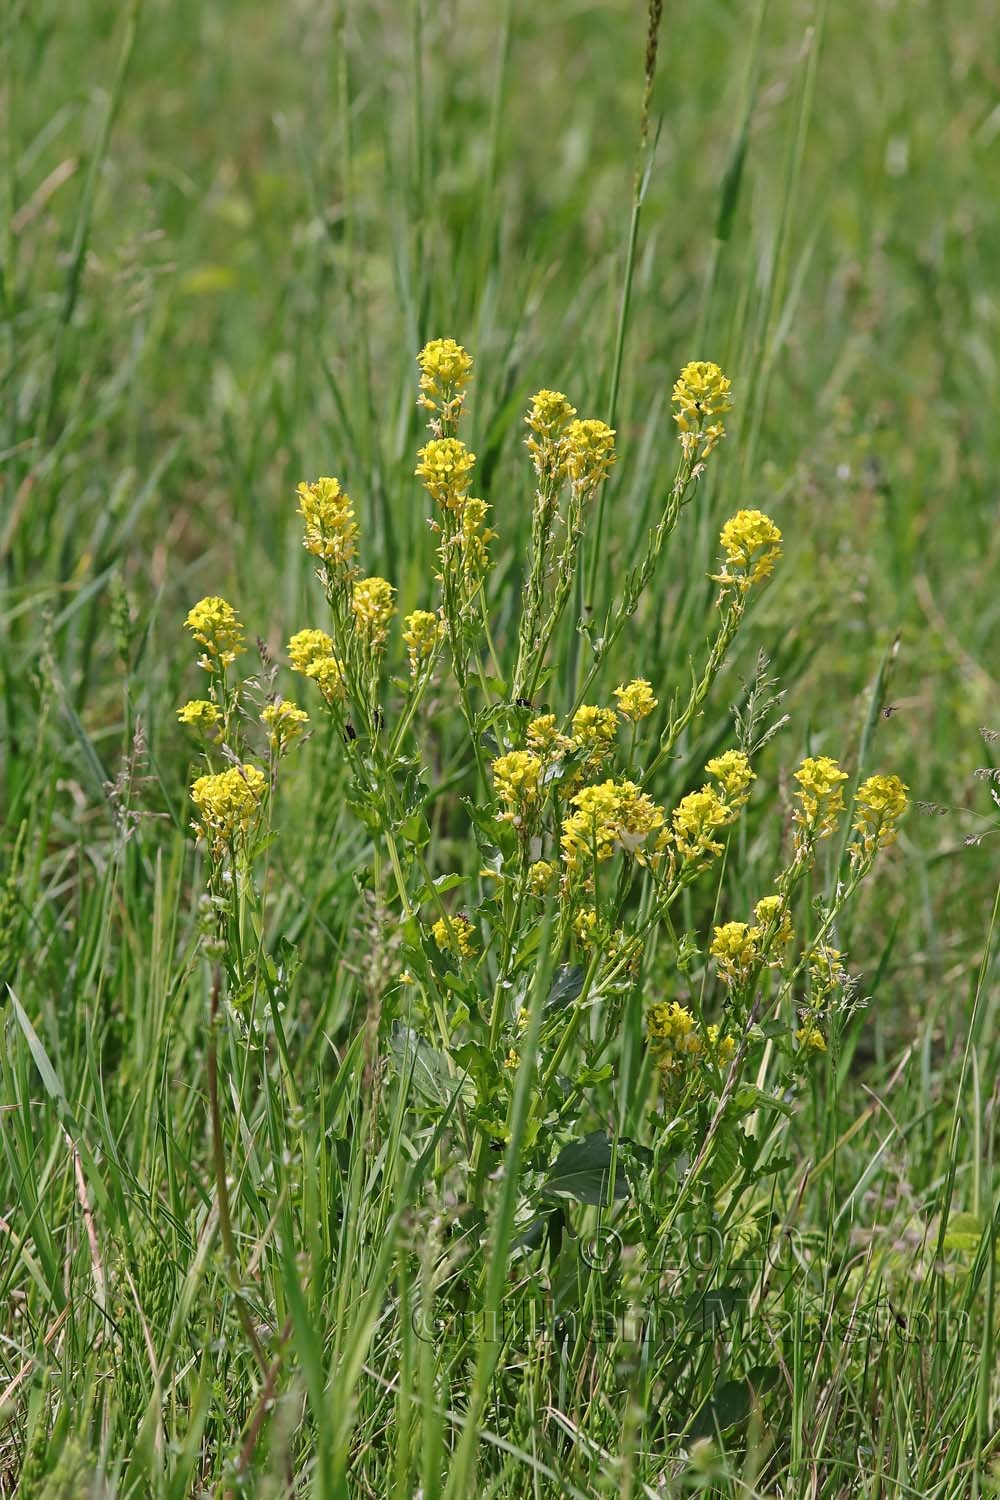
{"points": [[714, 1307], [442, 884], [729, 1405], [964, 1233], [416, 830], [50, 1078], [749, 1098], [582, 1170], [725, 1157], [763, 1378], [567, 985], [773, 1028], [428, 1069]]}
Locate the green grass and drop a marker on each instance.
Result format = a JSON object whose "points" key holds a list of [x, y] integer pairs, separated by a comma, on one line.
{"points": [[228, 229]]}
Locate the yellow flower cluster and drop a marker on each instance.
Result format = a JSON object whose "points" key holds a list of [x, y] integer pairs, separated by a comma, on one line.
{"points": [[549, 414], [589, 452], [372, 608], [517, 778], [445, 467], [737, 946], [215, 626], [635, 700], [638, 817], [454, 935], [698, 817], [542, 876], [826, 972], [474, 537], [423, 632], [673, 1035], [720, 1048], [445, 371], [307, 646], [199, 714], [810, 1038], [310, 653], [330, 530], [585, 926], [880, 803], [701, 393], [228, 802], [591, 831], [734, 949], [610, 815], [676, 1042], [284, 723], [327, 672], [733, 773], [595, 731], [752, 544], [545, 738], [695, 821], [820, 796], [772, 911]]}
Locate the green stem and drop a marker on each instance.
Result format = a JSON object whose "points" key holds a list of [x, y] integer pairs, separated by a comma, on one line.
{"points": [[222, 1186]]}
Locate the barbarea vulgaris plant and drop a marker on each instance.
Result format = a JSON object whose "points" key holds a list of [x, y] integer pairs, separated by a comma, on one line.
{"points": [[571, 923]]}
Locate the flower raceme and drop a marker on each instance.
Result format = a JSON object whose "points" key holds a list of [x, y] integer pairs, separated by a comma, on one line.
{"points": [[614, 814], [635, 700], [774, 919], [423, 632], [445, 371], [473, 538], [445, 467], [738, 947], [826, 972], [701, 392], [216, 627], [284, 723], [330, 529], [734, 950], [595, 731], [880, 803], [542, 876], [701, 395], [549, 414], [810, 1038], [307, 646], [310, 652], [545, 737], [589, 452], [752, 544], [699, 817], [228, 802], [199, 714], [672, 1031], [676, 1042], [590, 833], [516, 779], [695, 822], [820, 796], [454, 935], [372, 608], [327, 672], [733, 773]]}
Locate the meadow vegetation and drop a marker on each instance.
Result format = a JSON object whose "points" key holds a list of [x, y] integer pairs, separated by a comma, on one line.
{"points": [[497, 876]]}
